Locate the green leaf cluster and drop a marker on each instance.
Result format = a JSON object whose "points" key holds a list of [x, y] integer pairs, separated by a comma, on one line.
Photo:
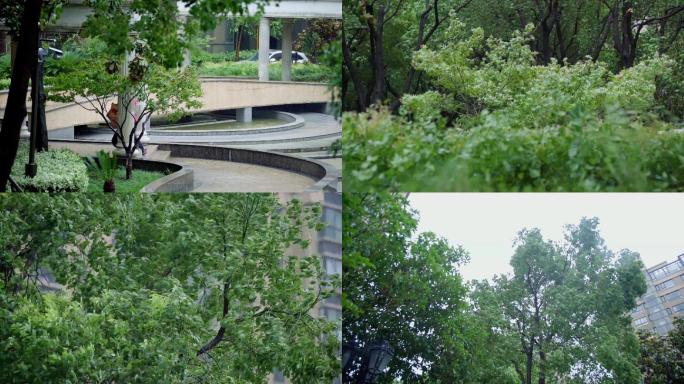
{"points": [[403, 287], [148, 281]]}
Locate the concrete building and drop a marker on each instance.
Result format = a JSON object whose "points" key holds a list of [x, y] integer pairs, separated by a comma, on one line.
{"points": [[328, 245], [288, 11], [663, 301]]}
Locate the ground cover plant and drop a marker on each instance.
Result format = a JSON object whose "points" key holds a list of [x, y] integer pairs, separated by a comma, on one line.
{"points": [[59, 170], [488, 107], [139, 180]]}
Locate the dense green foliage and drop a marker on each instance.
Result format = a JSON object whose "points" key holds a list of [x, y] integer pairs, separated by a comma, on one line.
{"points": [[498, 121], [561, 316], [662, 358], [402, 287], [161, 288], [515, 95], [59, 170]]}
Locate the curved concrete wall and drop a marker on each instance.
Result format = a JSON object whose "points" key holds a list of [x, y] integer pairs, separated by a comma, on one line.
{"points": [[218, 93]]}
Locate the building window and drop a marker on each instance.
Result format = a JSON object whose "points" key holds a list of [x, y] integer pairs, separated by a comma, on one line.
{"points": [[671, 296], [678, 308], [665, 285], [332, 198], [638, 308], [641, 321], [330, 248], [332, 266], [666, 270], [333, 221], [657, 315]]}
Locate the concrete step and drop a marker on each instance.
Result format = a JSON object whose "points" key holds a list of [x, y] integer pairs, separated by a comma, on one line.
{"points": [[158, 155]]}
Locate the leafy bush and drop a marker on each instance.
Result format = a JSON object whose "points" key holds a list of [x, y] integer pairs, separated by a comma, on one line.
{"points": [[59, 170], [300, 72], [5, 71], [497, 121], [613, 153], [200, 57], [670, 87]]}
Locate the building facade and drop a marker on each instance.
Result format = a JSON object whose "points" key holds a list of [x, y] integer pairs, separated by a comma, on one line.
{"points": [[663, 301], [327, 244]]}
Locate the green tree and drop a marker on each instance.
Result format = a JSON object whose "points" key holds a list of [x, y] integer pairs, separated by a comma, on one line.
{"points": [[662, 358], [566, 306], [158, 22], [402, 287], [175, 288], [160, 90]]}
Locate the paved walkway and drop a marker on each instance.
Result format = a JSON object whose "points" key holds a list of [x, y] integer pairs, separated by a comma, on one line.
{"points": [[219, 176], [319, 131], [223, 176]]}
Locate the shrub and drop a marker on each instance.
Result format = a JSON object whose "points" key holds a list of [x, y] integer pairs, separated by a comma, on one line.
{"points": [[300, 72], [59, 170], [5, 71], [611, 153]]}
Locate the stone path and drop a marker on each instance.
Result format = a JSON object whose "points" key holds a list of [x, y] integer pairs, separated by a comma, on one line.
{"points": [[215, 175], [318, 132]]}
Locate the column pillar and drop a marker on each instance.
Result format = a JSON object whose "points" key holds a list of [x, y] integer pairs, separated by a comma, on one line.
{"points": [[287, 50], [187, 59], [264, 39], [243, 115]]}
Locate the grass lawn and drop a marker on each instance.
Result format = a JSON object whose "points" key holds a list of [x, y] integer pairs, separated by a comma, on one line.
{"points": [[135, 184]]}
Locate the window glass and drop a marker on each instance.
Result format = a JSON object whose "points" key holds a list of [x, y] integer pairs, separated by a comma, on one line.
{"points": [[671, 296], [333, 266], [665, 285], [666, 270], [641, 321]]}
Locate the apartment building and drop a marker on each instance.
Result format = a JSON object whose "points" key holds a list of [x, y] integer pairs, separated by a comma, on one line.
{"points": [[663, 301], [327, 244]]}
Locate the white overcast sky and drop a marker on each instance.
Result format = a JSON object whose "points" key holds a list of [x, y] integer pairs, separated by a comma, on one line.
{"points": [[485, 224]]}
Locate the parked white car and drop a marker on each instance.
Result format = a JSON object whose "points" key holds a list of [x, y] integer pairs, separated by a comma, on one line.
{"points": [[297, 57], [275, 56]]}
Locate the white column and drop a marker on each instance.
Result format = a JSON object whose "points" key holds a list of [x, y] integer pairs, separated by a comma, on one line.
{"points": [[264, 39], [187, 59], [287, 50], [243, 115]]}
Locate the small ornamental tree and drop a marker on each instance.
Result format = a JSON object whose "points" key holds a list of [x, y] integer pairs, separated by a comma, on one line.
{"points": [[148, 89]]}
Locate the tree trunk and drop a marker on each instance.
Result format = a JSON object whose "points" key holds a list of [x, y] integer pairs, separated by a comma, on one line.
{"points": [[359, 86], [623, 39], [542, 367], [129, 165], [379, 85], [15, 110], [238, 42], [528, 372]]}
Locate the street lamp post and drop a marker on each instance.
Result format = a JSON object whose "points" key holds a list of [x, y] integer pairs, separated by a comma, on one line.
{"points": [[37, 106], [374, 359]]}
